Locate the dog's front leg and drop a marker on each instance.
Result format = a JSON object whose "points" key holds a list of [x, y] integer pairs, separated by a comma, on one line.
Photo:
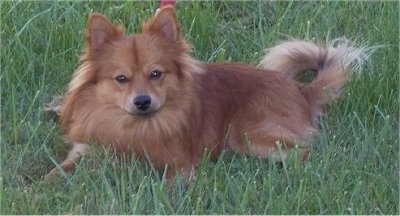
{"points": [[73, 157]]}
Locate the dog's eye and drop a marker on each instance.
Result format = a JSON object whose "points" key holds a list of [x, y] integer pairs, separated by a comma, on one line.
{"points": [[155, 74], [121, 79]]}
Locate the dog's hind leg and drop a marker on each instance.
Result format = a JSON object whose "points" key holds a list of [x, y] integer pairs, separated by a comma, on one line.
{"points": [[277, 148], [275, 143], [73, 157]]}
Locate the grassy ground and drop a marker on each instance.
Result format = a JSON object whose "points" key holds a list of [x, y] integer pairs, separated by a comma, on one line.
{"points": [[354, 170]]}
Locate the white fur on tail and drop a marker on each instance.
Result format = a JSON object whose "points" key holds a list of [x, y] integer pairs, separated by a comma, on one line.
{"points": [[334, 62]]}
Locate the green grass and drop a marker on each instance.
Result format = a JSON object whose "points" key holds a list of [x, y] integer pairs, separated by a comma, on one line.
{"points": [[354, 170]]}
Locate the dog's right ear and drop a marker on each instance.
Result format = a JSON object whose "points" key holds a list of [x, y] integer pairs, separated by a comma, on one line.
{"points": [[101, 31], [164, 24]]}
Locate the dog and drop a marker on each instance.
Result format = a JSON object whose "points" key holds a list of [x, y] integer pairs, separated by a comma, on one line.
{"points": [[144, 95]]}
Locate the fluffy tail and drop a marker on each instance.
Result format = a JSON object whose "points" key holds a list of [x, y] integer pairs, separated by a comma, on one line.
{"points": [[333, 62]]}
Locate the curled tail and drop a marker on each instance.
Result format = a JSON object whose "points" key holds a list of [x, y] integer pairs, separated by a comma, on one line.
{"points": [[333, 63]]}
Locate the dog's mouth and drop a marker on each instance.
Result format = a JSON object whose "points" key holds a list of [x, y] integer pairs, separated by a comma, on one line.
{"points": [[143, 106], [148, 113], [145, 113]]}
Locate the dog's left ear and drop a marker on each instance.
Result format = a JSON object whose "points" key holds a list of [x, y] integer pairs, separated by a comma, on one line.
{"points": [[164, 24], [101, 31]]}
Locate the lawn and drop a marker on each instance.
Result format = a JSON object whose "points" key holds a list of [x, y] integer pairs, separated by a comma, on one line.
{"points": [[353, 170]]}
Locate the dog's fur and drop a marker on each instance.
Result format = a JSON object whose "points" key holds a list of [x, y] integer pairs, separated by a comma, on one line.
{"points": [[143, 94]]}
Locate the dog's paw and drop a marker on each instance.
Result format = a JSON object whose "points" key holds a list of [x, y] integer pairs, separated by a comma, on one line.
{"points": [[49, 177], [55, 105]]}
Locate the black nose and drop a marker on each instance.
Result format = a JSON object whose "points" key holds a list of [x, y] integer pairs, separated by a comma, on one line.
{"points": [[142, 102]]}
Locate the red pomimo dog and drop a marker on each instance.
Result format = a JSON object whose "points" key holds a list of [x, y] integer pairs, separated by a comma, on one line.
{"points": [[144, 95]]}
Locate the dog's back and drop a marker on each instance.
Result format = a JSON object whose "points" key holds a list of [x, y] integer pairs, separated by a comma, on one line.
{"points": [[248, 109], [268, 112]]}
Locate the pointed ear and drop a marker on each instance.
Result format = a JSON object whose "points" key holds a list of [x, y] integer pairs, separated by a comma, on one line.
{"points": [[101, 31], [164, 24]]}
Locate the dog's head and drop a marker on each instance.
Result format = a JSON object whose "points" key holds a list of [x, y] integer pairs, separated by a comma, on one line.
{"points": [[139, 73]]}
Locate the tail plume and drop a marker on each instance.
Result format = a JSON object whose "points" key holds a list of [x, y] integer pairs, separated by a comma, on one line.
{"points": [[333, 63]]}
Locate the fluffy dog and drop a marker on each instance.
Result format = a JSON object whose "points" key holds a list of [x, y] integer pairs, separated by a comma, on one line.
{"points": [[143, 94]]}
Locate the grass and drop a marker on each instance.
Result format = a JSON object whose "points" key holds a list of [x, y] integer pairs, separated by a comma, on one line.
{"points": [[354, 170]]}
